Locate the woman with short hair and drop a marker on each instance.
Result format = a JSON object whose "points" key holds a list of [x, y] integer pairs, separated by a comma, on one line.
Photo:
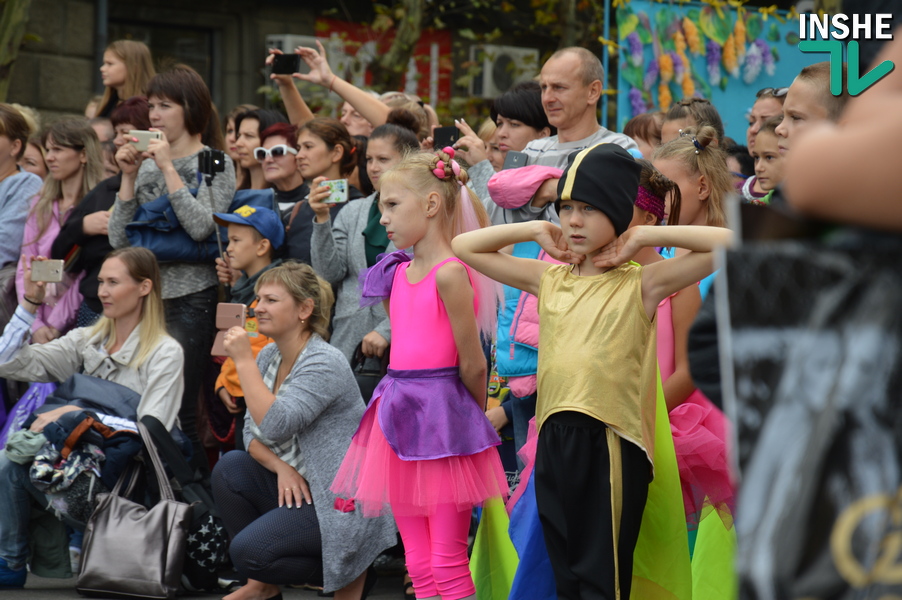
{"points": [[303, 406]]}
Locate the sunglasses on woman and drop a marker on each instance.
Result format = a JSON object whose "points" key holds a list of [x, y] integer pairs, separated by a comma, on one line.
{"points": [[279, 151], [775, 92]]}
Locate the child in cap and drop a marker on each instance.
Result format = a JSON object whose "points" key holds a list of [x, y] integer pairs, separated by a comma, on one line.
{"points": [[597, 367], [254, 235]]}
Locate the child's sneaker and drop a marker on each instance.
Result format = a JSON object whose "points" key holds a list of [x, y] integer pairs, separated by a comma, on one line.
{"points": [[10, 578]]}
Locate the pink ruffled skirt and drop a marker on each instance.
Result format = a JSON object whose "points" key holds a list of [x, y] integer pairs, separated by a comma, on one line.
{"points": [[374, 476], [700, 434]]}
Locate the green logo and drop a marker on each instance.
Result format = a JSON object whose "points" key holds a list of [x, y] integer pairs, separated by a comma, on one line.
{"points": [[856, 83]]}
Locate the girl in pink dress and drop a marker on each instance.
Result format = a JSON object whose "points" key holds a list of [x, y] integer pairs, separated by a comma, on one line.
{"points": [[699, 428], [424, 447]]}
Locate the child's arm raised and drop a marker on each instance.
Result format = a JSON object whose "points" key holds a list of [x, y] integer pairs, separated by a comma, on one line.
{"points": [[480, 250], [456, 292], [662, 279]]}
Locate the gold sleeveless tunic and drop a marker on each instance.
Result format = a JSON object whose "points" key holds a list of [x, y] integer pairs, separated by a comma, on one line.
{"points": [[597, 351]]}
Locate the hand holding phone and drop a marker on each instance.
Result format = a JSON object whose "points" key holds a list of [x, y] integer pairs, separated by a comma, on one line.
{"points": [[143, 137], [286, 64], [228, 315], [48, 271], [338, 191], [445, 136]]}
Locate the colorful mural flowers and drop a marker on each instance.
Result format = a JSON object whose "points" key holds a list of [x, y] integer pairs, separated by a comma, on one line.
{"points": [[733, 41]]}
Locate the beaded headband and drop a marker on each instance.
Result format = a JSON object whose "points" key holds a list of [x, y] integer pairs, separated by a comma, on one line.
{"points": [[651, 202]]}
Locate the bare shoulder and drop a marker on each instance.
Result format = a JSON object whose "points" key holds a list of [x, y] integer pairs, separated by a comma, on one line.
{"points": [[450, 275], [452, 279]]}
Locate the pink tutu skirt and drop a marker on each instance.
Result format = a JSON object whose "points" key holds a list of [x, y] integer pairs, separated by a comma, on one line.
{"points": [[700, 440], [374, 476]]}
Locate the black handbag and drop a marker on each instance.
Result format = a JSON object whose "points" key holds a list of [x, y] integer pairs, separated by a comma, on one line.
{"points": [[134, 551], [368, 378]]}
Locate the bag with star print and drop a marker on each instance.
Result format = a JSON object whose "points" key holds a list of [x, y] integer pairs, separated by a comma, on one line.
{"points": [[206, 551]]}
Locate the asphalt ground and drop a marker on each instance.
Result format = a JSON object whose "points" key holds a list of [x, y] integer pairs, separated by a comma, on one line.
{"points": [[388, 587]]}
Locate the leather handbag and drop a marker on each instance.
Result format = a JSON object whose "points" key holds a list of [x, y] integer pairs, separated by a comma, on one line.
{"points": [[130, 550]]}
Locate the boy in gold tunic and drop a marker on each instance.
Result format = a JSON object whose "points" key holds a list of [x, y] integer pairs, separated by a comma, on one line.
{"points": [[596, 374]]}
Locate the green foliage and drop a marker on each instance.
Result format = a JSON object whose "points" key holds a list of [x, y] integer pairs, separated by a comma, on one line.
{"points": [[754, 25], [773, 34], [12, 34], [716, 27]]}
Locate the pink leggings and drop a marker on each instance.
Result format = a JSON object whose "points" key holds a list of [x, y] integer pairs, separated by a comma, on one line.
{"points": [[436, 552]]}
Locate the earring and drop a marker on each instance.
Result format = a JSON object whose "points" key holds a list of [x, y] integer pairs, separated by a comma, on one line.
{"points": [[302, 320]]}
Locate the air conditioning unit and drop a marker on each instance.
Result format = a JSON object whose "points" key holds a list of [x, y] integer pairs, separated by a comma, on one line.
{"points": [[502, 67]]}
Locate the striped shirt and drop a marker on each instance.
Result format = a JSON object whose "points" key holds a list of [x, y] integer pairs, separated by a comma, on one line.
{"points": [[289, 450]]}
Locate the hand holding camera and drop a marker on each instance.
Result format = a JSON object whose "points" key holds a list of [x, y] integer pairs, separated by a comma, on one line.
{"points": [[283, 66], [326, 193]]}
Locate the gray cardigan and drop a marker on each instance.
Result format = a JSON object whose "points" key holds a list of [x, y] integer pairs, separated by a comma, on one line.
{"points": [[337, 253], [320, 403]]}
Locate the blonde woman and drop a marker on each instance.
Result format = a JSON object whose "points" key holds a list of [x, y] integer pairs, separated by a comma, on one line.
{"points": [[127, 68], [128, 345], [75, 166], [303, 405]]}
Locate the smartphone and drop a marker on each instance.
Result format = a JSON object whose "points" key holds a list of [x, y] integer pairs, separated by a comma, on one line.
{"points": [[228, 315], [445, 136], [286, 64], [50, 271], [514, 160], [143, 137], [338, 191]]}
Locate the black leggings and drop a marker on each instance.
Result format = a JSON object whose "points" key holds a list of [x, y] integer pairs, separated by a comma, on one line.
{"points": [[573, 493], [270, 544]]}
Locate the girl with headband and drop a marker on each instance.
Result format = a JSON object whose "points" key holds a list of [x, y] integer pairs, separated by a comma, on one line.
{"points": [[424, 446]]}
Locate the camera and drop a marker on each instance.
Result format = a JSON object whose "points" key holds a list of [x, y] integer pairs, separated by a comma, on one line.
{"points": [[210, 162]]}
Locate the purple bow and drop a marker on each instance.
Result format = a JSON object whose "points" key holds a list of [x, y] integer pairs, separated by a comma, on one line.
{"points": [[375, 283]]}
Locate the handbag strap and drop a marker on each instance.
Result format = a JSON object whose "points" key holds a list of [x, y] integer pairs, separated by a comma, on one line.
{"points": [[162, 479]]}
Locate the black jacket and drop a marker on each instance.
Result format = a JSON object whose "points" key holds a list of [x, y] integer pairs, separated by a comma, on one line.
{"points": [[93, 248]]}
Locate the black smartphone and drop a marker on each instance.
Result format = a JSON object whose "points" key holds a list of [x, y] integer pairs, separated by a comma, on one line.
{"points": [[445, 136], [286, 64], [514, 160]]}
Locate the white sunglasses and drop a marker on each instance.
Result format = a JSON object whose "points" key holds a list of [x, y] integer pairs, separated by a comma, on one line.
{"points": [[278, 151]]}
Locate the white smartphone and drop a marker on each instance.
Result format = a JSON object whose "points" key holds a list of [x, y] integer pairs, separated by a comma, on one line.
{"points": [[143, 137]]}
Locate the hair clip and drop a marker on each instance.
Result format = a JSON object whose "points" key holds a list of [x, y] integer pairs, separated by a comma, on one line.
{"points": [[697, 145]]}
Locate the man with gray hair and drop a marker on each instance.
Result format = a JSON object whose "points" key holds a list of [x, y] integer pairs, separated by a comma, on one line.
{"points": [[571, 82]]}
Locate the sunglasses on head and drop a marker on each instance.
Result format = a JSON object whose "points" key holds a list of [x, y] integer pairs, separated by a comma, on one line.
{"points": [[775, 92], [279, 151]]}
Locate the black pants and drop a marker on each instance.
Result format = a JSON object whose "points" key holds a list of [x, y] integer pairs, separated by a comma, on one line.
{"points": [[191, 321], [270, 544], [573, 493]]}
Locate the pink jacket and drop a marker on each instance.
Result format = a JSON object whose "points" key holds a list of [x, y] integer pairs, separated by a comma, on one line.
{"points": [[62, 299], [513, 188]]}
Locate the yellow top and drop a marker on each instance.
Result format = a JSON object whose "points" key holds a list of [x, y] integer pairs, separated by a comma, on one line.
{"points": [[597, 351]]}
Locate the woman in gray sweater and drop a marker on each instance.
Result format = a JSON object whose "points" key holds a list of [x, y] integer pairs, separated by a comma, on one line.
{"points": [[341, 249], [303, 406], [180, 108]]}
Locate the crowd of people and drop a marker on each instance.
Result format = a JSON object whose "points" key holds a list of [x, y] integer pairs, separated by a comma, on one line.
{"points": [[438, 262]]}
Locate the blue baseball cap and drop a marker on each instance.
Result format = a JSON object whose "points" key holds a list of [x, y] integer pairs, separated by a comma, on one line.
{"points": [[264, 220]]}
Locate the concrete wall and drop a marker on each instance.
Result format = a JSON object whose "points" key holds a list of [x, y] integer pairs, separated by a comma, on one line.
{"points": [[56, 74]]}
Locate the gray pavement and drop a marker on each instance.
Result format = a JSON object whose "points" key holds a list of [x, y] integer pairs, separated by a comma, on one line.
{"points": [[388, 587]]}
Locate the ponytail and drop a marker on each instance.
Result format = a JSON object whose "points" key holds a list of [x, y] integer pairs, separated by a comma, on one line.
{"points": [[462, 211], [699, 152]]}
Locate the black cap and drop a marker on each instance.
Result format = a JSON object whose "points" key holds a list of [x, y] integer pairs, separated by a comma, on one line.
{"points": [[604, 176]]}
